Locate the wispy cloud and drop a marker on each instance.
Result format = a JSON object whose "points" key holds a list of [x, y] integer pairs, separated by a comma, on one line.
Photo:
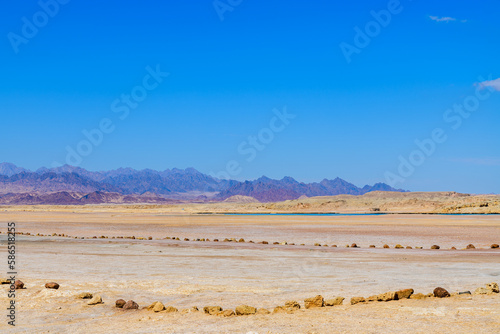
{"points": [[495, 84], [445, 19], [477, 161]]}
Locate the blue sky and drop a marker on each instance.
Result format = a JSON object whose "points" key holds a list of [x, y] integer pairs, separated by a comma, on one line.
{"points": [[355, 120]]}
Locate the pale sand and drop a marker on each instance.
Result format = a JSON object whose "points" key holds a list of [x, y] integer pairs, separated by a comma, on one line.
{"points": [[185, 274]]}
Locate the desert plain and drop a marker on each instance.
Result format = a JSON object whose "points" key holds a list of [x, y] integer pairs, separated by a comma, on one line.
{"points": [[90, 249]]}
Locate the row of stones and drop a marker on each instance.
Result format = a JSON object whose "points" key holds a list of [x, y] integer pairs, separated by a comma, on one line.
{"points": [[241, 240], [289, 306]]}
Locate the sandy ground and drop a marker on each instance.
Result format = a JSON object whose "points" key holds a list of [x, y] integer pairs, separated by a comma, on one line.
{"points": [[196, 273]]}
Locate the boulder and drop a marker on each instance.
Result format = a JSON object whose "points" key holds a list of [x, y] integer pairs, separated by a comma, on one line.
{"points": [[470, 246], [96, 299], [488, 290], [292, 305], [495, 246], [357, 300], [170, 309], [354, 246], [245, 310], [120, 302], [262, 311], [404, 294], [131, 305], [386, 246], [398, 246], [85, 295], [441, 293], [335, 301], [317, 301], [241, 240], [435, 247], [212, 310], [4, 281], [18, 285], [418, 296], [158, 307], [494, 287], [150, 307], [52, 285], [388, 296], [372, 246], [279, 309]]}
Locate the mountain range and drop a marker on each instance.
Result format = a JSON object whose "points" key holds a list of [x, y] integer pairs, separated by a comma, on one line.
{"points": [[76, 185]]}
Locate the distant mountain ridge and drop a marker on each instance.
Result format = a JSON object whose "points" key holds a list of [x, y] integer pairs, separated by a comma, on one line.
{"points": [[179, 184]]}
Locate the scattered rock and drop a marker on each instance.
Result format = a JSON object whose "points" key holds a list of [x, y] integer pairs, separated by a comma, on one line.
{"points": [[158, 307], [317, 301], [227, 313], [372, 246], [262, 311], [85, 295], [131, 305], [4, 281], [386, 246], [96, 299], [388, 296], [418, 296], [470, 246], [464, 293], [241, 240], [279, 309], [435, 247], [357, 300], [264, 242], [354, 246], [495, 246], [404, 294], [398, 246], [453, 248], [245, 310], [52, 285], [212, 310], [488, 290], [441, 293], [493, 287], [120, 303], [18, 285], [335, 301], [409, 247], [292, 305], [283, 243], [171, 309]]}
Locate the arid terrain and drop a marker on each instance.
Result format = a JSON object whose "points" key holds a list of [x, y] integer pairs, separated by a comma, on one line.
{"points": [[165, 262]]}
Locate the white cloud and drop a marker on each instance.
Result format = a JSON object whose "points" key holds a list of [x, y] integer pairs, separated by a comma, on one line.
{"points": [[444, 19], [495, 84]]}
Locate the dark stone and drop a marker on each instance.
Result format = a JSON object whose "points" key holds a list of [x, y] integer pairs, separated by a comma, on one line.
{"points": [[120, 303], [52, 285], [441, 293]]}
